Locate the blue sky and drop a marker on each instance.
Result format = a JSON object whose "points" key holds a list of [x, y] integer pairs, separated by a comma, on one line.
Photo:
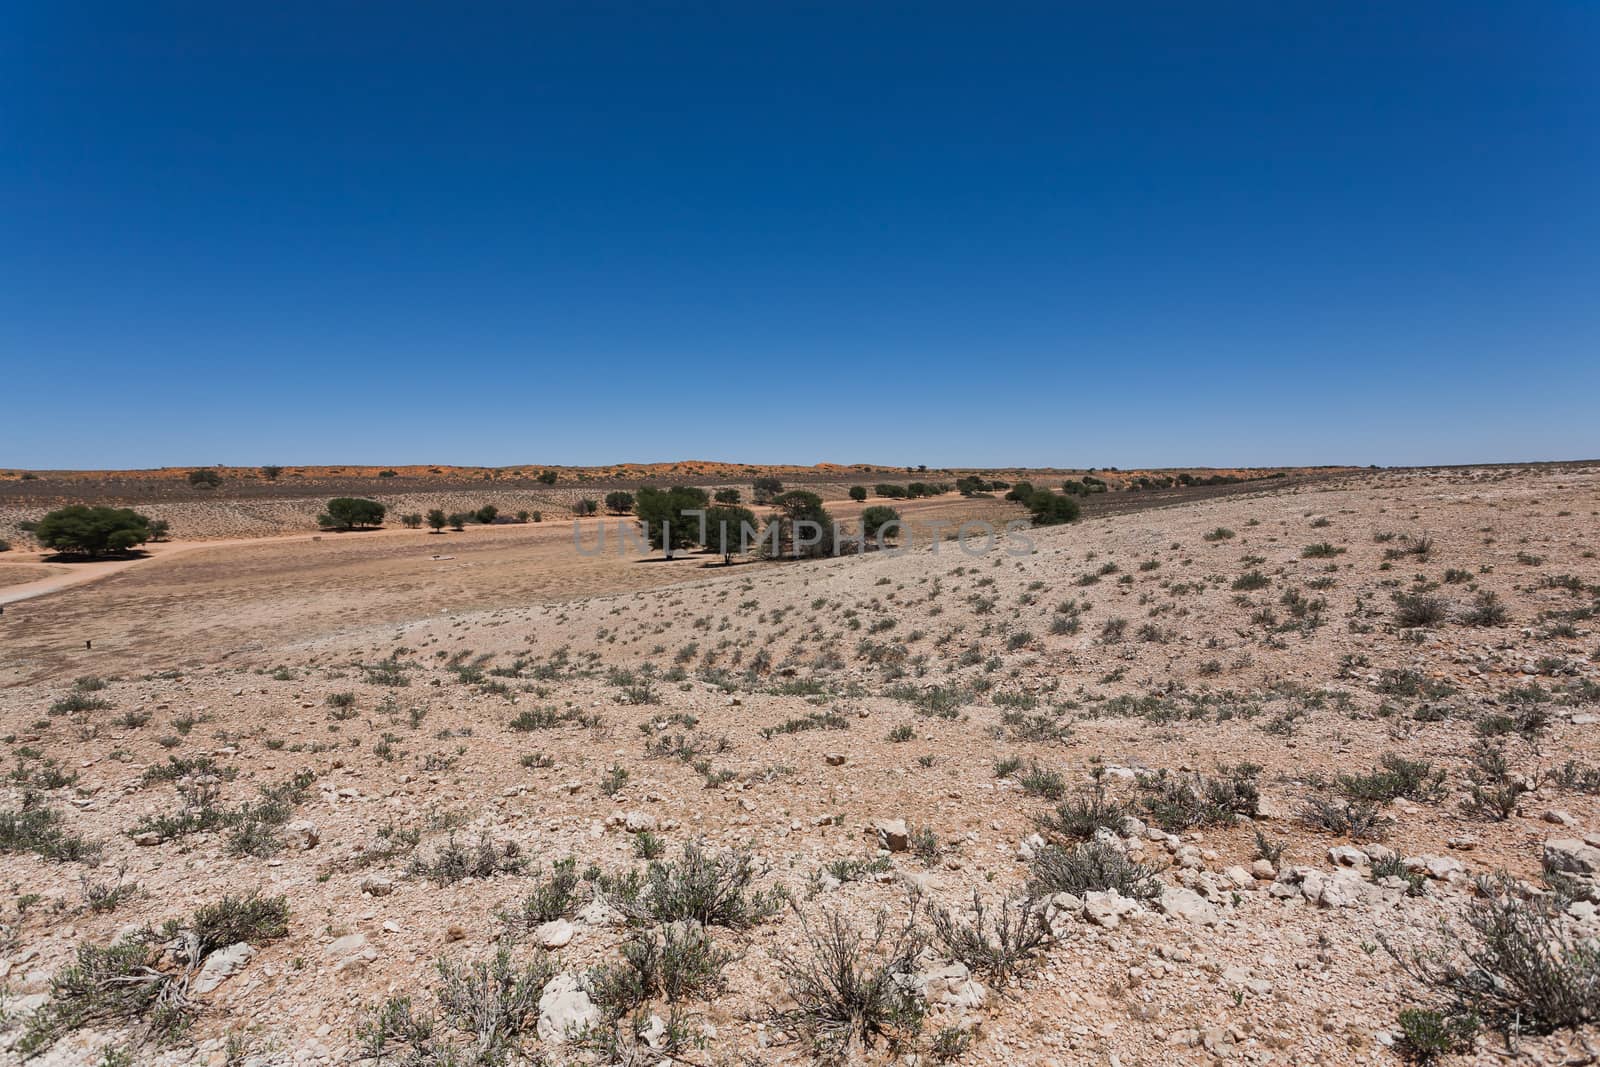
{"points": [[1165, 234]]}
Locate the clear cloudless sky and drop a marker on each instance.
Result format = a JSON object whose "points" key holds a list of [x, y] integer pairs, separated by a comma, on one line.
{"points": [[1131, 234]]}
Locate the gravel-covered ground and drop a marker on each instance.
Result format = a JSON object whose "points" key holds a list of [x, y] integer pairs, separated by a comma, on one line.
{"points": [[872, 738]]}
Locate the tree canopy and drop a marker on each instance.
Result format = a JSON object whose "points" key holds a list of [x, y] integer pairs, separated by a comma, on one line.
{"points": [[876, 518], [805, 529], [724, 529], [766, 489], [662, 512], [349, 512], [92, 531]]}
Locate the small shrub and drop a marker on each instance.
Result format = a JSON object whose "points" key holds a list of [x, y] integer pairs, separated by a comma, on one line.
{"points": [[1415, 610], [1487, 610], [455, 861], [554, 897], [1357, 820], [996, 944], [1079, 818], [713, 890], [1425, 1035], [1519, 964], [1093, 866], [848, 989]]}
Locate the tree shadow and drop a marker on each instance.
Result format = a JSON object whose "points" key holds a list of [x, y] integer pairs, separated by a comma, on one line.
{"points": [[99, 557]]}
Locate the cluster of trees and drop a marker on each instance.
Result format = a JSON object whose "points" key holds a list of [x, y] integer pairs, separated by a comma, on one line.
{"points": [[487, 515], [352, 513], [1044, 507], [668, 526], [685, 517], [911, 491], [972, 485], [205, 478], [1086, 486]]}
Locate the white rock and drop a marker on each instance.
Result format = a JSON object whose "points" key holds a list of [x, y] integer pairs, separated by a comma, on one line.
{"points": [[1571, 856], [950, 985], [348, 945], [303, 834], [1109, 908], [1188, 905], [556, 933], [1443, 867], [892, 834], [221, 965], [564, 1008], [376, 885]]}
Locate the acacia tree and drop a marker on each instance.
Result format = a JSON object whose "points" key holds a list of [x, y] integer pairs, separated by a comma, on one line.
{"points": [[619, 502], [438, 520], [726, 496], [766, 490], [725, 525], [349, 512], [82, 530], [858, 493], [876, 518], [271, 471], [805, 529], [666, 516], [205, 478]]}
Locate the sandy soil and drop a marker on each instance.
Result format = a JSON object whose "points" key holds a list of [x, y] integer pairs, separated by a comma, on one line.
{"points": [[785, 708]]}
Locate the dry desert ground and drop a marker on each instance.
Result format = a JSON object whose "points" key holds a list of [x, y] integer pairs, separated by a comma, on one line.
{"points": [[1186, 783]]}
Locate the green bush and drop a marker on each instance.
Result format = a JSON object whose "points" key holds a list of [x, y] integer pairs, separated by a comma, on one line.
{"points": [[858, 493], [619, 502], [1048, 509]]}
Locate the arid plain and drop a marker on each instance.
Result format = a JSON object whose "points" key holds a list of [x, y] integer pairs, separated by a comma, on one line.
{"points": [[1192, 779]]}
